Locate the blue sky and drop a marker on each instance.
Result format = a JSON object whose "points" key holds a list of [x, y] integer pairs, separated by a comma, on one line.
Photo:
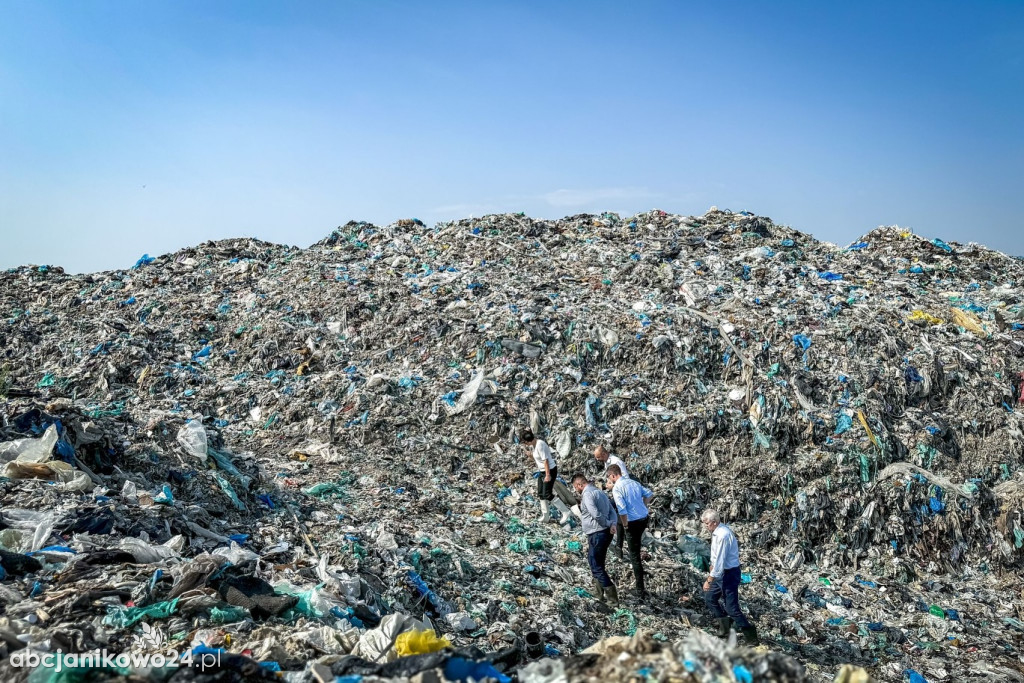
{"points": [[131, 127]]}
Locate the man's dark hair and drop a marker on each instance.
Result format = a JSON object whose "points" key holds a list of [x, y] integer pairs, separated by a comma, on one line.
{"points": [[579, 476], [527, 436], [614, 469]]}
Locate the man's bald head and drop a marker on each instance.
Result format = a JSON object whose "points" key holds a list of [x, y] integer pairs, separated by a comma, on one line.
{"points": [[601, 453]]}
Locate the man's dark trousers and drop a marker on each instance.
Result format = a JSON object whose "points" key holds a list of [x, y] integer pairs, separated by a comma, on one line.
{"points": [[597, 551], [620, 532], [634, 534], [726, 589]]}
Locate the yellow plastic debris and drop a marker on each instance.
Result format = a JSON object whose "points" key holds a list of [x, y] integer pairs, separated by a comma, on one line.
{"points": [[920, 316], [852, 674], [969, 321], [864, 421], [419, 643]]}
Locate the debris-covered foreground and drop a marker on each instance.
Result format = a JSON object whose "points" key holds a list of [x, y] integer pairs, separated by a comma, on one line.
{"points": [[305, 459]]}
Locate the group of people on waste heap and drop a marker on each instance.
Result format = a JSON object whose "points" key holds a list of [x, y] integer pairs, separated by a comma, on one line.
{"points": [[622, 516]]}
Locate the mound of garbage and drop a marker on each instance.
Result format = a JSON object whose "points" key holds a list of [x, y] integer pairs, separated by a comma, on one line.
{"points": [[304, 463]]}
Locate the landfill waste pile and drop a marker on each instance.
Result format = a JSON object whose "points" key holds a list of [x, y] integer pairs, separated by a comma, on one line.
{"points": [[304, 464]]}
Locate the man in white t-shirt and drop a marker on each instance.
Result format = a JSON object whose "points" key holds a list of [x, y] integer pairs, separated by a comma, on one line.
{"points": [[606, 460], [547, 472]]}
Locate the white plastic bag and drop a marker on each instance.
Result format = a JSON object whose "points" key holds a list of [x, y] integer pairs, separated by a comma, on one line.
{"points": [[30, 450], [192, 438]]}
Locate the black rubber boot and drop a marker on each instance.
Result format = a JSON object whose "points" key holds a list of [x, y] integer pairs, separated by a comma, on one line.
{"points": [[724, 626], [750, 636], [611, 596], [598, 590]]}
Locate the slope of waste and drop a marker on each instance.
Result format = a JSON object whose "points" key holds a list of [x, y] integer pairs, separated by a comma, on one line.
{"points": [[304, 463]]}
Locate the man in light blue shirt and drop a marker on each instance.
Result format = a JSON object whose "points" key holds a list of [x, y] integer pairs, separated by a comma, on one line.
{"points": [[723, 582], [631, 501], [598, 517]]}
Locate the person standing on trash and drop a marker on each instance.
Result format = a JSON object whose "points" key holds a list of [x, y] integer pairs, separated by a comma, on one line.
{"points": [[631, 501], [598, 517], [606, 460], [723, 581], [547, 471]]}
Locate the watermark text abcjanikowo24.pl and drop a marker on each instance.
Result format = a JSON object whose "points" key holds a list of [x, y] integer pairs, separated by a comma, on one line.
{"points": [[102, 659]]}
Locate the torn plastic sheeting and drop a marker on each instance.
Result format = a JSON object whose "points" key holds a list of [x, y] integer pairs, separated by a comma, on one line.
{"points": [[30, 450], [126, 617], [229, 490], [223, 461], [469, 393]]}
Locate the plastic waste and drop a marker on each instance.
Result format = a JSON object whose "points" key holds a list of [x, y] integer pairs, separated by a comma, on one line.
{"points": [[192, 438], [419, 642]]}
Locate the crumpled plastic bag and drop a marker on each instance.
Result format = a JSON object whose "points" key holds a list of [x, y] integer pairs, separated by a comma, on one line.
{"points": [[192, 437], [66, 476], [31, 459], [27, 530], [419, 643], [146, 553], [378, 645], [30, 450]]}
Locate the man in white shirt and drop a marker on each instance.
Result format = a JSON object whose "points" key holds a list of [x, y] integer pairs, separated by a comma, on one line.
{"points": [[723, 582], [602, 455], [547, 472], [606, 459]]}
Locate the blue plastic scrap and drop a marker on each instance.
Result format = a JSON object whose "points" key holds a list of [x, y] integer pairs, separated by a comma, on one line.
{"points": [[844, 423], [914, 677], [144, 261], [942, 245], [742, 674], [802, 340], [858, 246], [461, 669], [830, 276]]}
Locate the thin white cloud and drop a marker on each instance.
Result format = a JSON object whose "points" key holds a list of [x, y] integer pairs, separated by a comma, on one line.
{"points": [[568, 198]]}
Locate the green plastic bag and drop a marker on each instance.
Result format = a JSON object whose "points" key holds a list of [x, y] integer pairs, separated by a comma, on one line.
{"points": [[126, 617]]}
